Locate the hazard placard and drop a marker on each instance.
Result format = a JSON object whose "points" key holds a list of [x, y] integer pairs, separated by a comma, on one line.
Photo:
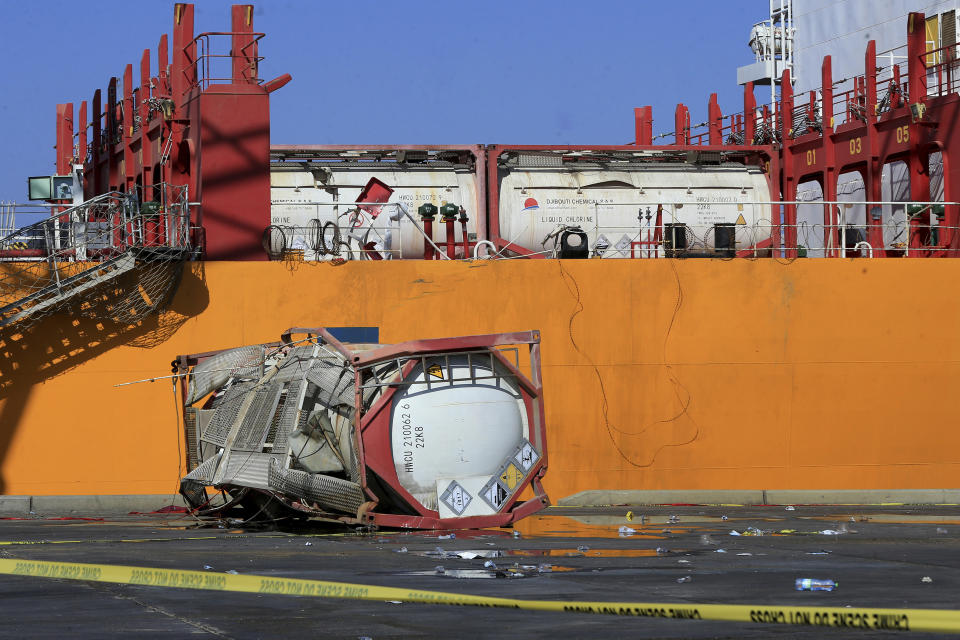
{"points": [[436, 371], [510, 476], [456, 497], [494, 494], [741, 219], [527, 456], [601, 245]]}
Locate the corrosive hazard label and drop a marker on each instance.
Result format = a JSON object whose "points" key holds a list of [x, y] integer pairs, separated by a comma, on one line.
{"points": [[494, 494]]}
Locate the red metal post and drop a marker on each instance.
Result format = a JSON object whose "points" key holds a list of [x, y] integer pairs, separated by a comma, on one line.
{"points": [[82, 133], [111, 134], [143, 110], [428, 238], [643, 124], [897, 100], [830, 218], [681, 121], [714, 121], [163, 91], [64, 137], [183, 78], [789, 187], [826, 93], [183, 71], [874, 170], [97, 155], [918, 158], [243, 46], [129, 175], [916, 54], [450, 224], [163, 68]]}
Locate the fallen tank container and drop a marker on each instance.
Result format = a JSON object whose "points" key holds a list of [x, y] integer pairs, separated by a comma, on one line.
{"points": [[431, 434]]}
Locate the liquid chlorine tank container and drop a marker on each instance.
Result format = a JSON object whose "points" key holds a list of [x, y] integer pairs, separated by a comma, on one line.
{"points": [[712, 206]]}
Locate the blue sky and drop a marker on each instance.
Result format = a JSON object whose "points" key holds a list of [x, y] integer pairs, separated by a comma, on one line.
{"points": [[522, 72]]}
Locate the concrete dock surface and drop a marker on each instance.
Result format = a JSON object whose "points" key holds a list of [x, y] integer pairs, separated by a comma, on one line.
{"points": [[889, 556]]}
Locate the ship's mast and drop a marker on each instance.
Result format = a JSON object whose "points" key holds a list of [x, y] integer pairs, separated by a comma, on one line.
{"points": [[772, 43]]}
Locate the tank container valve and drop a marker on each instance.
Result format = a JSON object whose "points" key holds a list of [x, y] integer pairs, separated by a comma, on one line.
{"points": [[427, 211], [449, 211]]}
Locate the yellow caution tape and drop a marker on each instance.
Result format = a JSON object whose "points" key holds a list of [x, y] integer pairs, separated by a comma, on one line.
{"points": [[930, 620], [5, 543]]}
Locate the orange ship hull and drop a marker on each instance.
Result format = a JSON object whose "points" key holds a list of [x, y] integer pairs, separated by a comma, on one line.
{"points": [[665, 374]]}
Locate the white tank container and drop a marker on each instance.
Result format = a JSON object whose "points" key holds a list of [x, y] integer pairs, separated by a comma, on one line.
{"points": [[462, 427], [534, 203], [297, 197]]}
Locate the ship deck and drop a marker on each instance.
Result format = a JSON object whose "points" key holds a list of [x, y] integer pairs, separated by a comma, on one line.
{"points": [[880, 557]]}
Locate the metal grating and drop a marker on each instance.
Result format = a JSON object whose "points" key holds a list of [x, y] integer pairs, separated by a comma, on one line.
{"points": [[226, 414], [948, 38], [329, 492], [295, 365], [335, 383], [193, 437], [539, 160], [204, 473], [288, 416], [244, 362], [247, 469], [256, 421]]}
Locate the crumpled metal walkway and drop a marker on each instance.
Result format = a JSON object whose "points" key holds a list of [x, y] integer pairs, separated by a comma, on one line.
{"points": [[74, 260]]}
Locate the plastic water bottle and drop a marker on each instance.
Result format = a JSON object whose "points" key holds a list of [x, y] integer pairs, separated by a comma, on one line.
{"points": [[811, 584]]}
